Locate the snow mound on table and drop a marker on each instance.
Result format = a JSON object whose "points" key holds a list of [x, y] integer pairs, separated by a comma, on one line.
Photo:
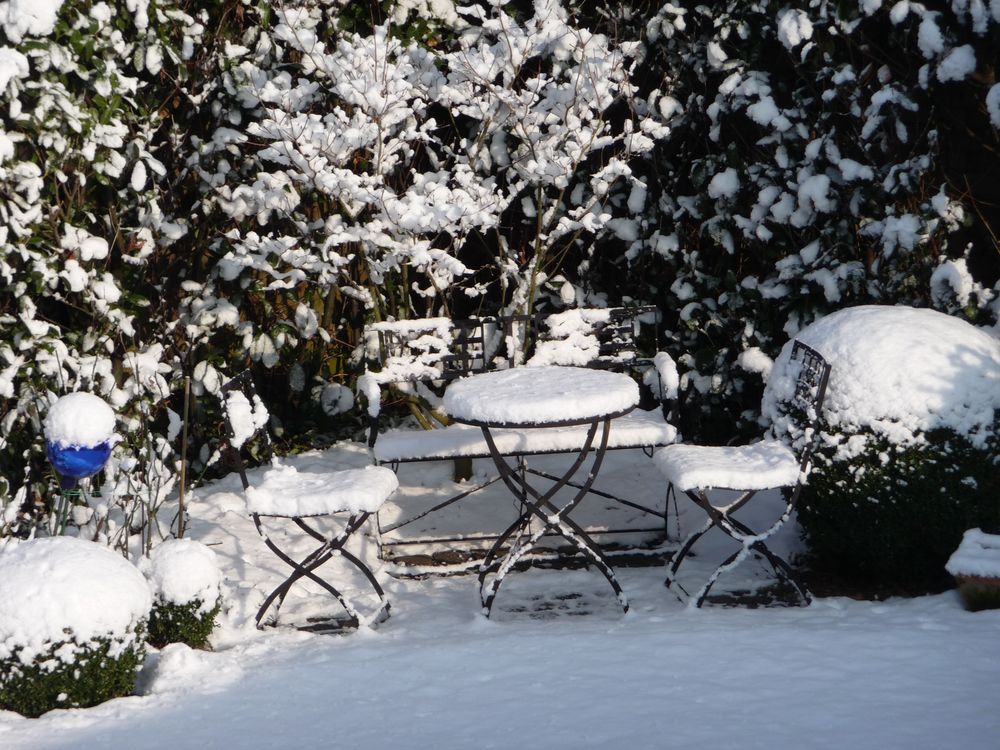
{"points": [[182, 571], [58, 589], [540, 396], [80, 420], [898, 371]]}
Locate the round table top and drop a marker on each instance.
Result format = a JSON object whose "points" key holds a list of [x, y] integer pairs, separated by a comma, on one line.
{"points": [[540, 396]]}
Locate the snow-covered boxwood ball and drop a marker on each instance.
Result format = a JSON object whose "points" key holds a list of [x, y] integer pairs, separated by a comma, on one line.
{"points": [[185, 578], [908, 453], [72, 624]]}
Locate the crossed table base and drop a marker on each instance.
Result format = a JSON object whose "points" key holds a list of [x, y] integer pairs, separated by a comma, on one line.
{"points": [[536, 398], [493, 569]]}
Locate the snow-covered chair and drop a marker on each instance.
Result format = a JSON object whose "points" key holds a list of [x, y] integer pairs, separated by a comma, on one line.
{"points": [[768, 464], [297, 498], [415, 354]]}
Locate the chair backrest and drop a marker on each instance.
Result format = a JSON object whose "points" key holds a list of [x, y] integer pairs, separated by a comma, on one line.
{"points": [[601, 338], [430, 349], [810, 392], [474, 347], [246, 422]]}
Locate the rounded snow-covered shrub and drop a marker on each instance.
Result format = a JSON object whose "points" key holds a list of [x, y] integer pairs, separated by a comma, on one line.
{"points": [[908, 451], [72, 625], [185, 579]]}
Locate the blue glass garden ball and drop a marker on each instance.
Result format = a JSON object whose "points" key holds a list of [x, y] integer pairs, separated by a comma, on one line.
{"points": [[74, 463]]}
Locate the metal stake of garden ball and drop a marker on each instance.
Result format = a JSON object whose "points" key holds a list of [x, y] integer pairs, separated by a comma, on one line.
{"points": [[79, 432], [73, 463]]}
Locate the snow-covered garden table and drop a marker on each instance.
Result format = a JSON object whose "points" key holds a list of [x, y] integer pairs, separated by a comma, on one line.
{"points": [[540, 397]]}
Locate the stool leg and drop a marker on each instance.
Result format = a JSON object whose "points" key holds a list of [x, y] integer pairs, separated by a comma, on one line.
{"points": [[303, 572], [749, 541], [383, 600], [682, 554], [305, 568]]}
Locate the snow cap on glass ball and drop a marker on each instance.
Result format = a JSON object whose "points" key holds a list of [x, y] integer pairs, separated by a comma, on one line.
{"points": [[80, 419]]}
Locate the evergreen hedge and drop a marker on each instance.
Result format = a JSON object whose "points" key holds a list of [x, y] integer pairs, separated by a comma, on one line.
{"points": [[893, 515], [94, 672], [182, 623]]}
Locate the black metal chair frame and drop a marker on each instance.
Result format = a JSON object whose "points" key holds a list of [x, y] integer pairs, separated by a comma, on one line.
{"points": [[472, 353], [810, 392], [330, 546]]}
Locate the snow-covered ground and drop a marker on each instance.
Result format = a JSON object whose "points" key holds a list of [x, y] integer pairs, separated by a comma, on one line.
{"points": [[559, 666]]}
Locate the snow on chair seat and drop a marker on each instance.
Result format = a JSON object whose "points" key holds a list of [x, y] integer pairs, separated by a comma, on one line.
{"points": [[759, 466], [288, 497], [288, 492], [637, 429]]}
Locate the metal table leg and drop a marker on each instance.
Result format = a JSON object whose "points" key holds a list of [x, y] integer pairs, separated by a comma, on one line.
{"points": [[553, 518]]}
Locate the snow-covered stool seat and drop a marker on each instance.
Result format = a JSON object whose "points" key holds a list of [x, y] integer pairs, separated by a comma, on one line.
{"points": [[770, 464], [289, 495]]}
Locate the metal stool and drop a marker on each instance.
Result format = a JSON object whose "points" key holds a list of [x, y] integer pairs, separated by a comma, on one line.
{"points": [[286, 494]]}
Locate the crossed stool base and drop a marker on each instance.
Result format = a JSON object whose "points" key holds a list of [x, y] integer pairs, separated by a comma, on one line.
{"points": [[330, 547], [748, 540]]}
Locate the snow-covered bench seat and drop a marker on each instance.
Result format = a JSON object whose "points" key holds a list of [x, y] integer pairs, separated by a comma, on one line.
{"points": [[637, 429]]}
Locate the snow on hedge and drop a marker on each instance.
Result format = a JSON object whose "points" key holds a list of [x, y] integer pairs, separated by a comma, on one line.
{"points": [[899, 372], [977, 556], [181, 571], [245, 419], [572, 338], [799, 178], [24, 18], [62, 589]]}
